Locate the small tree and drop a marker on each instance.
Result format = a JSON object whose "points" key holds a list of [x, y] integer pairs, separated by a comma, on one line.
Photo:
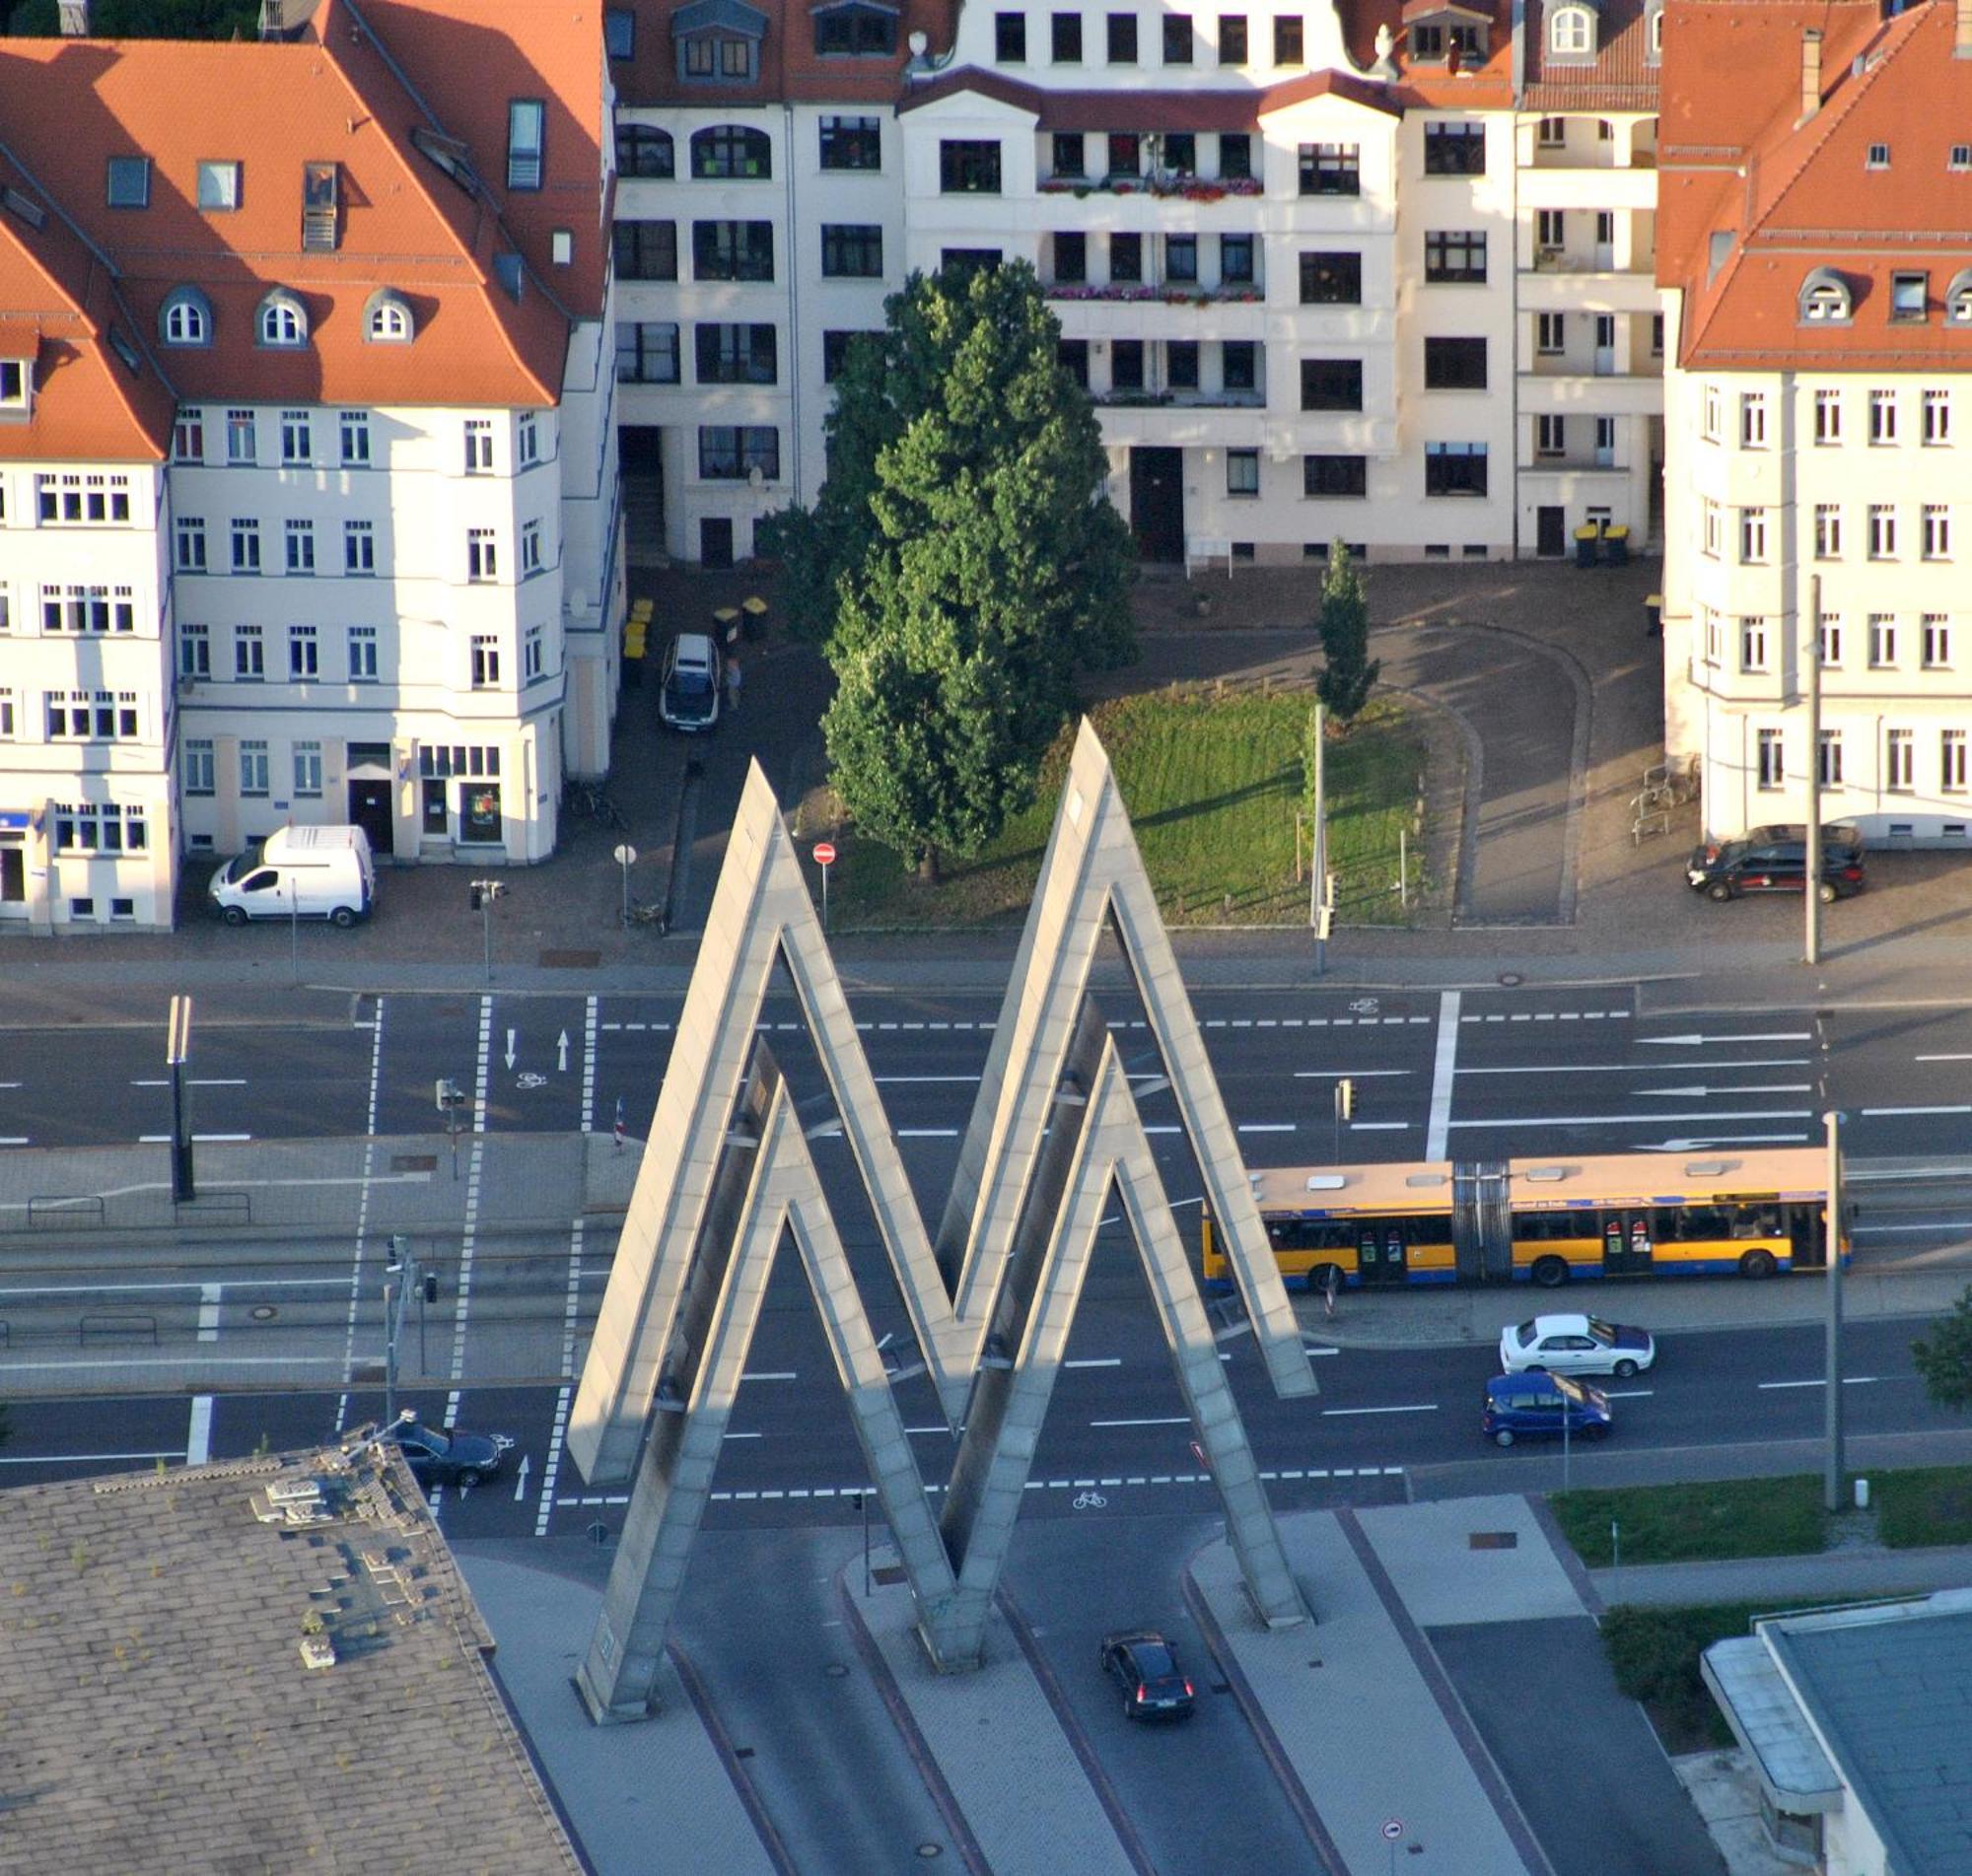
{"points": [[1349, 673], [1944, 1356]]}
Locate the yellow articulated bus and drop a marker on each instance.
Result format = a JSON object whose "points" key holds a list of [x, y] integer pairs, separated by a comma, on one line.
{"points": [[1545, 1222]]}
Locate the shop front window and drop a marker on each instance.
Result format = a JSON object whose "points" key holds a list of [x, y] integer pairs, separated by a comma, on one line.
{"points": [[479, 812]]}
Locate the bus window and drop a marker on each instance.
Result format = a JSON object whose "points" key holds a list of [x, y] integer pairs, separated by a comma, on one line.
{"points": [[1431, 1228]]}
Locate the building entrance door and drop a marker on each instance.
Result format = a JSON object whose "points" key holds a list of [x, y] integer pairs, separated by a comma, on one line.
{"points": [[1157, 503], [13, 876], [715, 542], [370, 809], [1551, 532]]}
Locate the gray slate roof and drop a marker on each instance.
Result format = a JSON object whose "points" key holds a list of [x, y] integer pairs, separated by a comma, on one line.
{"points": [[156, 1712]]}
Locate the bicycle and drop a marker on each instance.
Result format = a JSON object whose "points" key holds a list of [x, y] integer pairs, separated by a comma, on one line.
{"points": [[641, 913]]}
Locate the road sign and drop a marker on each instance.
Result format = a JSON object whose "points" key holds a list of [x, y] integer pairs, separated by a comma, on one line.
{"points": [[626, 855], [1394, 1830], [824, 853]]}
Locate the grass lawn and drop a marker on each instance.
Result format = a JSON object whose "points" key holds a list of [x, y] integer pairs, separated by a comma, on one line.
{"points": [[1212, 782], [1677, 1523], [1932, 1505]]}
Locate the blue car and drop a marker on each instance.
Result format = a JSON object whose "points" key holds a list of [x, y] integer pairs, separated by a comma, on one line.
{"points": [[1537, 1405]]}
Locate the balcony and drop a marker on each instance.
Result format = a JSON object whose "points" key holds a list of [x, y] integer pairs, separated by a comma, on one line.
{"points": [[1186, 188], [1176, 420], [1575, 392], [1557, 286], [1171, 293]]}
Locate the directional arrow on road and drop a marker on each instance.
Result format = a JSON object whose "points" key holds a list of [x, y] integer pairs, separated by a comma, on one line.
{"points": [[1718, 1139], [511, 1033], [561, 1052], [1693, 1041], [1699, 1094], [521, 1480]]}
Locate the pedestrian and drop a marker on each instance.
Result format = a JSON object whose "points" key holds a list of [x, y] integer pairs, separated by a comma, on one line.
{"points": [[732, 682], [1331, 1282]]}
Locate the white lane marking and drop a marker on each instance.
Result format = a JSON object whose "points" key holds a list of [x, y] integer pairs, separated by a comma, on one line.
{"points": [[208, 1310], [159, 1140], [1692, 1039], [1033, 1485], [563, 1395], [13, 1140], [1628, 1393], [927, 1429], [911, 1080], [228, 1081], [1681, 1065], [1444, 1068], [1096, 1362], [362, 1214], [1422, 1406], [588, 1076], [70, 1459], [198, 1438], [927, 1133], [1887, 1111], [1701, 1092], [1377, 1126], [1919, 1058], [787, 1375], [742, 1436], [1337, 1075], [468, 1237], [1265, 1127], [1821, 1380], [1169, 1420], [1858, 1230], [1637, 1120]]}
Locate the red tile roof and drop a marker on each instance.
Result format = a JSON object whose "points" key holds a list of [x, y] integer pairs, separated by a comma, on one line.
{"points": [[1620, 77], [1147, 110], [1790, 198]]}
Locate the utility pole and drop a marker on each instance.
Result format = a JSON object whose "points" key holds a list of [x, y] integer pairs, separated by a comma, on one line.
{"points": [[1320, 900], [178, 1050], [1810, 656]]}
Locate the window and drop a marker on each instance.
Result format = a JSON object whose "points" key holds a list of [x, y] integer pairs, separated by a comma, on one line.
{"points": [[1951, 759], [1752, 645], [1454, 468], [485, 661], [1937, 407], [1240, 364], [1126, 258], [1231, 38], [733, 250], [300, 547], [1878, 156], [246, 534], [647, 352], [296, 438], [1910, 297], [1882, 640], [1772, 772], [1827, 417], [1126, 363], [969, 166], [1122, 38], [1288, 39], [1936, 531], [1454, 364], [1882, 416], [191, 533], [835, 350], [1071, 259], [1827, 530], [852, 250], [1936, 642], [1753, 535], [1551, 229], [1235, 261], [253, 768], [1067, 149], [728, 454], [1126, 153], [526, 126], [1709, 417], [1181, 364], [1656, 33], [645, 250], [218, 186], [711, 57], [1332, 478], [478, 446], [249, 654], [1753, 421], [1177, 38], [195, 767], [1454, 257], [1960, 158], [482, 555], [1656, 336], [1831, 758], [1243, 472], [1181, 258], [1455, 147], [1882, 530], [534, 654], [619, 32], [1331, 169], [1550, 436], [359, 547], [1331, 280], [1179, 155], [353, 428], [194, 652], [1571, 34], [1714, 636], [240, 448], [1712, 532], [283, 323], [967, 261], [1010, 37], [1898, 767], [1236, 156], [1824, 299], [1331, 383], [1550, 133], [304, 652], [1831, 639], [643, 150], [1073, 357], [732, 153], [189, 436], [129, 182], [736, 354], [852, 143], [1958, 296], [362, 654], [1550, 333], [856, 32], [307, 768], [1065, 38]]}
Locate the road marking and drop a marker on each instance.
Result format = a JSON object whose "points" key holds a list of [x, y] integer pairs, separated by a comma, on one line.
{"points": [[1628, 1393], [1169, 1420], [1096, 1362], [362, 1213], [788, 1375], [588, 1071], [1694, 1038], [909, 1080], [1711, 1139], [229, 1081], [1821, 1380], [1265, 1127], [1679, 1066], [1867, 1231], [160, 1139], [1337, 1075], [198, 1439], [1887, 1111], [551, 1465], [1444, 1067], [1637, 1120], [927, 1133], [13, 1140], [72, 1459], [1701, 1092], [927, 1429], [208, 1310], [1377, 1126], [1423, 1407], [1919, 1058], [468, 1237], [742, 1436]]}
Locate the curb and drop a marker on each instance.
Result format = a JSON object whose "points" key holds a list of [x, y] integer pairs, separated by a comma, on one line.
{"points": [[1573, 1567], [750, 1800]]}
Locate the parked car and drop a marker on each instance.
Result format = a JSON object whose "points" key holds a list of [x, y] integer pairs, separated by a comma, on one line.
{"points": [[1575, 1345], [688, 686], [1143, 1663], [1774, 859], [454, 1458], [1537, 1405]]}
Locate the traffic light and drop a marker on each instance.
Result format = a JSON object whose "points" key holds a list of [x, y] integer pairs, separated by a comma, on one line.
{"points": [[431, 1287], [1345, 1099], [476, 897]]}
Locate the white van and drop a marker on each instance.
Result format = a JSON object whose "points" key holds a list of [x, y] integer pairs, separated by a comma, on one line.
{"points": [[308, 872]]}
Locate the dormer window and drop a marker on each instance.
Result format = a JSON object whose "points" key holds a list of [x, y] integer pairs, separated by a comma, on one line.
{"points": [[1878, 156], [1654, 32], [1440, 31], [1958, 299], [320, 200], [283, 320], [17, 377], [386, 319], [1571, 33], [855, 29], [1910, 294], [1825, 299], [186, 317], [129, 182], [619, 32], [218, 186], [718, 42]]}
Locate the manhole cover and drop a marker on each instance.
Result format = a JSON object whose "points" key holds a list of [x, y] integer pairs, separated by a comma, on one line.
{"points": [[1511, 979], [928, 1851], [599, 1534], [570, 960], [264, 1312]]}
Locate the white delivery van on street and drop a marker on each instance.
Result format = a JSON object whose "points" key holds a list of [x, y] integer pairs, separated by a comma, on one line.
{"points": [[308, 872]]}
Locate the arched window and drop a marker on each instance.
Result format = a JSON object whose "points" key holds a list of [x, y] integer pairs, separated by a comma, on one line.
{"points": [[1824, 299], [386, 319], [855, 29], [644, 149], [283, 321], [1572, 32], [1958, 299], [1657, 33], [186, 318], [732, 153]]}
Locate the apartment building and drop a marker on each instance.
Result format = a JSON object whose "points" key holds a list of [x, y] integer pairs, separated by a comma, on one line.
{"points": [[1334, 273], [1817, 267], [372, 527]]}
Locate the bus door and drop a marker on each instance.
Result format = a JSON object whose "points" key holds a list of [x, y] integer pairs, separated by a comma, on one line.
{"points": [[1379, 1253], [1626, 1243]]}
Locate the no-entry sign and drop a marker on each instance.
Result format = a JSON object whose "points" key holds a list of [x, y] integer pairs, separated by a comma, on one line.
{"points": [[824, 853]]}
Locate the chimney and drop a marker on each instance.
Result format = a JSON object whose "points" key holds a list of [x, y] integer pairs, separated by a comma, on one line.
{"points": [[74, 15], [1961, 33], [1810, 72]]}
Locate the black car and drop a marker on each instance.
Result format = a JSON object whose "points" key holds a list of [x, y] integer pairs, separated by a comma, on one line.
{"points": [[1774, 859], [1142, 1663], [449, 1459]]}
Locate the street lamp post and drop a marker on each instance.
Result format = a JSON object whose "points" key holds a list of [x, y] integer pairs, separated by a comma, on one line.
{"points": [[484, 893], [1810, 656], [1833, 1467]]}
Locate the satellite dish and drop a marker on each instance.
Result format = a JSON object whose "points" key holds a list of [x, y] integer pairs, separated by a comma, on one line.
{"points": [[918, 43]]}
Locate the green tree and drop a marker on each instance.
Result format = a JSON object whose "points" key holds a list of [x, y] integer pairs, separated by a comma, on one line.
{"points": [[962, 562], [1944, 1356], [147, 19], [1348, 673]]}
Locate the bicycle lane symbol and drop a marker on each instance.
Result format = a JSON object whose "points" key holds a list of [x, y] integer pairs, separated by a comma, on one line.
{"points": [[1087, 1501]]}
